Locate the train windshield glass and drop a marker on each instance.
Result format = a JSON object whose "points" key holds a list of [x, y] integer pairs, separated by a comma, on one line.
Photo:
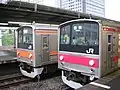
{"points": [[25, 38], [85, 34], [80, 36], [65, 35]]}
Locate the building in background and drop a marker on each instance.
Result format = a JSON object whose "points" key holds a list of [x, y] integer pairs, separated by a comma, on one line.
{"points": [[95, 7]]}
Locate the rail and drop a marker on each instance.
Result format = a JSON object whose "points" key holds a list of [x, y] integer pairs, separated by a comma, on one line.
{"points": [[13, 79]]}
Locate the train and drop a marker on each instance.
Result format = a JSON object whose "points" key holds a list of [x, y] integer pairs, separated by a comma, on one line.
{"points": [[83, 49], [37, 49], [88, 49]]}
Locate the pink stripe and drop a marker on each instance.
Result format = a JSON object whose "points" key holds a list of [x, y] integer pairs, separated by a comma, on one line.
{"points": [[79, 60], [115, 59]]}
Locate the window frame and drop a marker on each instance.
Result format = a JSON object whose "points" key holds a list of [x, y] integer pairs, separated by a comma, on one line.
{"points": [[23, 44], [84, 31], [78, 48], [69, 32]]}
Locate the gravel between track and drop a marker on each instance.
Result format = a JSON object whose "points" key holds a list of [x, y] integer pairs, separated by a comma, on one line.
{"points": [[48, 84]]}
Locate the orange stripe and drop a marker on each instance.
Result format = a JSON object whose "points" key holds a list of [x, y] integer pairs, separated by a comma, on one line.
{"points": [[53, 53], [48, 33], [45, 32], [25, 54]]}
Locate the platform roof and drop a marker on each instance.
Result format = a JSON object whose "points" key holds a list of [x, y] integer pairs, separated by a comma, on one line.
{"points": [[26, 12]]}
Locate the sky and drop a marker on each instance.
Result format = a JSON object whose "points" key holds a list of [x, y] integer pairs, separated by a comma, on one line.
{"points": [[49, 2], [112, 8]]}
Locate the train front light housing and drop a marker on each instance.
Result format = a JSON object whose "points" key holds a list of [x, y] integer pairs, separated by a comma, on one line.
{"points": [[30, 56], [61, 58], [18, 53], [91, 62]]}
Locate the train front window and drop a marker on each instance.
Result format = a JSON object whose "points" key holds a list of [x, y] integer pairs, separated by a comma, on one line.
{"points": [[79, 36], [25, 38], [65, 35], [85, 34]]}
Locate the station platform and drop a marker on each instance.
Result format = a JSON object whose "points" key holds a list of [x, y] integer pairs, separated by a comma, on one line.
{"points": [[109, 82], [7, 56]]}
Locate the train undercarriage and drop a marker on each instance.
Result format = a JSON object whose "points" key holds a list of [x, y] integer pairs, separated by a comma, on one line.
{"points": [[33, 72], [75, 79]]}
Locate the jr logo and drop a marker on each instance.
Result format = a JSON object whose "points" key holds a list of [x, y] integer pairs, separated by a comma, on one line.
{"points": [[90, 50]]}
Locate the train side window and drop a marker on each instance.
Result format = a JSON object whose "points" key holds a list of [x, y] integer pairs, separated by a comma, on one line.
{"points": [[45, 42], [109, 47], [119, 36], [119, 42], [109, 38], [109, 42]]}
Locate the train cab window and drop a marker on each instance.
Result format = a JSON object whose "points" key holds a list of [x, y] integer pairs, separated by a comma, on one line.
{"points": [[79, 36], [65, 35], [25, 38], [84, 34]]}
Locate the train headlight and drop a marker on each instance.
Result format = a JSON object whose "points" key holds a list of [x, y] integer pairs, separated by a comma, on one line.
{"points": [[61, 58], [91, 62], [30, 56], [18, 53]]}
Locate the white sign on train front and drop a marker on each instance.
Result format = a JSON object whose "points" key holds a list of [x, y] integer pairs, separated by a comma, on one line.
{"points": [[90, 50]]}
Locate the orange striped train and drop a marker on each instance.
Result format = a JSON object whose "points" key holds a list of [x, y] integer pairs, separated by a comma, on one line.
{"points": [[37, 49]]}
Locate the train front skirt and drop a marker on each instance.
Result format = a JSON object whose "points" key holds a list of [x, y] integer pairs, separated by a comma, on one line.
{"points": [[37, 71], [70, 83]]}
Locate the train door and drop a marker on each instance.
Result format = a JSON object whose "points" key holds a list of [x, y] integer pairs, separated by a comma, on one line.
{"points": [[114, 51], [45, 48], [111, 53]]}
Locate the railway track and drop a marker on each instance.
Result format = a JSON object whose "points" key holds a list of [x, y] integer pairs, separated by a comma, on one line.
{"points": [[11, 80], [18, 82]]}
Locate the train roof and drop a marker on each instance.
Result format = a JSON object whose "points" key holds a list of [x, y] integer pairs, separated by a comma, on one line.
{"points": [[76, 20], [104, 22], [42, 26]]}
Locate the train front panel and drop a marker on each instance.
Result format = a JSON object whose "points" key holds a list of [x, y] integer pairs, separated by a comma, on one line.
{"points": [[25, 46], [37, 49], [79, 56]]}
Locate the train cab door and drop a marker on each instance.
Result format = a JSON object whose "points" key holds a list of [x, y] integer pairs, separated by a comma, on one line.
{"points": [[45, 48], [111, 47]]}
